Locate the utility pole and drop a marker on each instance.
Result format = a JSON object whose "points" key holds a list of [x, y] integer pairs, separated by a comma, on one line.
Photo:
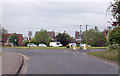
{"points": [[80, 36], [86, 33]]}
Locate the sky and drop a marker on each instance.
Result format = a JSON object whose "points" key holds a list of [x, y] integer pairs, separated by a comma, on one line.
{"points": [[59, 16]]}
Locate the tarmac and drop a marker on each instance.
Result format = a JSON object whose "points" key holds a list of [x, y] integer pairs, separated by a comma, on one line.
{"points": [[11, 62]]}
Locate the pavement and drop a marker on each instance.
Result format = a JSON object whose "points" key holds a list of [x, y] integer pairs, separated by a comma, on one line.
{"points": [[11, 62], [63, 61]]}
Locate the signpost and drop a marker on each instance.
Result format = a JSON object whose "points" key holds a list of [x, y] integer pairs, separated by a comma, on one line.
{"points": [[29, 34]]}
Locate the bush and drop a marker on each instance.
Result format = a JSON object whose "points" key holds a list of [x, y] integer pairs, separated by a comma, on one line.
{"points": [[25, 42], [113, 38]]}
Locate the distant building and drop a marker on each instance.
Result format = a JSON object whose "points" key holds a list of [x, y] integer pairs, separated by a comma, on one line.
{"points": [[7, 35], [77, 35]]}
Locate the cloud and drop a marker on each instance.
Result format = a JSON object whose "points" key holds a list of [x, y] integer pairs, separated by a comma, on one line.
{"points": [[55, 0], [57, 16]]}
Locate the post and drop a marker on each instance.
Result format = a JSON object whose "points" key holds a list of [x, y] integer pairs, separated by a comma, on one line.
{"points": [[29, 42], [86, 33], [15, 42], [80, 36]]}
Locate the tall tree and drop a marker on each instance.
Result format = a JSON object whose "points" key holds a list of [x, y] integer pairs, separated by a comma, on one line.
{"points": [[63, 38], [94, 37], [42, 37], [2, 31]]}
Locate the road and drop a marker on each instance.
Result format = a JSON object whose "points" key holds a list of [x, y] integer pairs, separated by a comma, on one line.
{"points": [[63, 61]]}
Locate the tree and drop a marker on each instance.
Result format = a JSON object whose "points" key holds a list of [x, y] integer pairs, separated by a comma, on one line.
{"points": [[42, 37], [12, 39], [94, 37], [114, 9], [63, 38], [2, 32], [113, 38]]}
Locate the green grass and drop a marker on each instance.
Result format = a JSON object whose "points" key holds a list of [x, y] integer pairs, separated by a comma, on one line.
{"points": [[54, 47], [37, 47], [109, 55]]}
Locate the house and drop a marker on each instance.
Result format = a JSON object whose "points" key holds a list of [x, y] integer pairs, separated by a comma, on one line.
{"points": [[7, 35], [51, 35], [77, 35]]}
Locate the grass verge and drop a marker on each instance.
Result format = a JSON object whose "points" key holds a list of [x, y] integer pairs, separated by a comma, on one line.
{"points": [[109, 55], [37, 47], [53, 47]]}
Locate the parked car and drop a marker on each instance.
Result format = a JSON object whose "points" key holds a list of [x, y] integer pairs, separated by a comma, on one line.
{"points": [[82, 45], [32, 45], [55, 44], [88, 45], [71, 44], [42, 45]]}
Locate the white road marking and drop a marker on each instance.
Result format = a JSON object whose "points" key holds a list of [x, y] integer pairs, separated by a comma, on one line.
{"points": [[26, 57]]}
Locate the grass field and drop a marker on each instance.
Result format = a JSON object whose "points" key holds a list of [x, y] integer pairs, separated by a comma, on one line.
{"points": [[54, 47], [110, 55]]}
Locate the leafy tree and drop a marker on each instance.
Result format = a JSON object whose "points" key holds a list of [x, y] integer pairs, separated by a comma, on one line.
{"points": [[25, 42], [63, 38], [94, 37], [114, 9], [2, 32], [113, 38], [33, 41], [12, 39], [42, 37]]}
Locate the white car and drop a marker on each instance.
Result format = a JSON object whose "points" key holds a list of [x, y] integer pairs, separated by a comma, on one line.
{"points": [[42, 45], [32, 45], [55, 44]]}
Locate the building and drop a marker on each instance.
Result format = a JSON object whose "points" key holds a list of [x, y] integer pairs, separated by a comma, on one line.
{"points": [[77, 36], [7, 35], [51, 35]]}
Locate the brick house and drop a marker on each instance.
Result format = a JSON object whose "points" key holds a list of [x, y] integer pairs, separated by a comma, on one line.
{"points": [[7, 35], [77, 35]]}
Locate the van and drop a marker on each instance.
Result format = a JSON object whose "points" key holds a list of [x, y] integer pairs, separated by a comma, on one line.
{"points": [[55, 44]]}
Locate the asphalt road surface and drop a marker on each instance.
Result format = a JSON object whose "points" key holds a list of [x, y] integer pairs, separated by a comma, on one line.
{"points": [[63, 61]]}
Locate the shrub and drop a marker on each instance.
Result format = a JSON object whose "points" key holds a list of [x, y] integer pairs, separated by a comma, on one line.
{"points": [[113, 38]]}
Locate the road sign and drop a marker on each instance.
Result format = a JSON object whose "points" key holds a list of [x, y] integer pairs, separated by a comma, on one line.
{"points": [[30, 33]]}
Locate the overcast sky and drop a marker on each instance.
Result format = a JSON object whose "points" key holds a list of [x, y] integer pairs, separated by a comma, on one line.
{"points": [[21, 17]]}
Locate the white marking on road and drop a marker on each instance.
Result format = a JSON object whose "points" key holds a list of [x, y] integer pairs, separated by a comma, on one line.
{"points": [[26, 57]]}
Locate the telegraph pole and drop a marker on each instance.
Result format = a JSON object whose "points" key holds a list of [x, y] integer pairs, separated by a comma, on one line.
{"points": [[86, 33], [80, 36]]}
